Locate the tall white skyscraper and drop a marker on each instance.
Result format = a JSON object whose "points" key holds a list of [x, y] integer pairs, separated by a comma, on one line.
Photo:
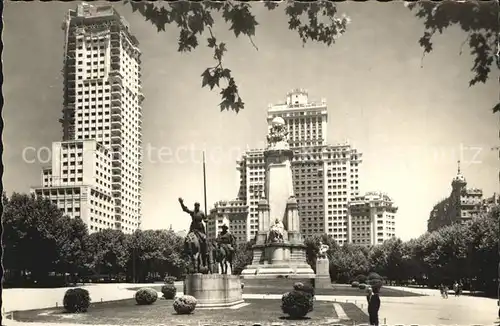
{"points": [[96, 171]]}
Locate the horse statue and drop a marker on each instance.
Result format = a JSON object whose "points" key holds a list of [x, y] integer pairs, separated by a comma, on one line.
{"points": [[193, 250]]}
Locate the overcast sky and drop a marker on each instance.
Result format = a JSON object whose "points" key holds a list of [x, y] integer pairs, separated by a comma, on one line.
{"points": [[411, 123]]}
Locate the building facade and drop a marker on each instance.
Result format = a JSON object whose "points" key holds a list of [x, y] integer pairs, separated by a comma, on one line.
{"points": [[101, 109], [326, 177], [371, 219], [232, 213], [461, 206]]}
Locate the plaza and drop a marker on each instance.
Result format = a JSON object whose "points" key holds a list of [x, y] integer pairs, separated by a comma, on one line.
{"points": [[430, 309]]}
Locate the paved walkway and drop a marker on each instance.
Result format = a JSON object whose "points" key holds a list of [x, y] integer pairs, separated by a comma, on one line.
{"points": [[426, 310]]}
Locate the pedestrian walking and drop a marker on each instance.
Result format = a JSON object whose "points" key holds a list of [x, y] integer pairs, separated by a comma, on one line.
{"points": [[455, 288], [373, 305], [446, 289], [441, 290]]}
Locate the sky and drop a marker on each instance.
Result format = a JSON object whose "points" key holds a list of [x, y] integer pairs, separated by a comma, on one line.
{"points": [[411, 119]]}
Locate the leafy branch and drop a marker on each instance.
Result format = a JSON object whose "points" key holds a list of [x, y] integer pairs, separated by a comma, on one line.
{"points": [[194, 19], [479, 19]]}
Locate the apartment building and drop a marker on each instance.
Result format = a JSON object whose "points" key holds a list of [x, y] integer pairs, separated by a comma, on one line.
{"points": [[102, 113], [371, 219], [325, 176]]}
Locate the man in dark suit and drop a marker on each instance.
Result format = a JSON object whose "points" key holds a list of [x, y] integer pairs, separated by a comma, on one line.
{"points": [[373, 306]]}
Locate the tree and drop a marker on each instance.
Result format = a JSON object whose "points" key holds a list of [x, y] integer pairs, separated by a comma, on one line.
{"points": [[31, 227], [313, 21], [319, 22], [312, 247], [155, 252], [72, 247], [107, 252], [479, 19], [351, 260], [243, 257]]}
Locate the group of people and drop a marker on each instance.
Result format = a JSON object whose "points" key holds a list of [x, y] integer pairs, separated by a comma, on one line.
{"points": [[457, 289]]}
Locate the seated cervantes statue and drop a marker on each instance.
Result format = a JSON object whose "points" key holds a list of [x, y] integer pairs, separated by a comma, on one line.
{"points": [[276, 232]]}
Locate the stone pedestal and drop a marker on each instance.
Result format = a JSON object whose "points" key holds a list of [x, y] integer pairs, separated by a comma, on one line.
{"points": [[214, 290], [322, 279], [278, 260]]}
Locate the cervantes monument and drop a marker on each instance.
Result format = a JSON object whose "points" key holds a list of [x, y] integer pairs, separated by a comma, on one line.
{"points": [[279, 249]]}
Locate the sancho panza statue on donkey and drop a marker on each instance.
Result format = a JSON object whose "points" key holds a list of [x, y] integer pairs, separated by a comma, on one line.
{"points": [[225, 249], [195, 244]]}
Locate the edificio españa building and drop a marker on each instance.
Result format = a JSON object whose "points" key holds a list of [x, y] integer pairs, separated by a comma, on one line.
{"points": [[325, 177], [96, 170]]}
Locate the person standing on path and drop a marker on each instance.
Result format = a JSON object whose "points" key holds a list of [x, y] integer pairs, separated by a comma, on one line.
{"points": [[373, 306]]}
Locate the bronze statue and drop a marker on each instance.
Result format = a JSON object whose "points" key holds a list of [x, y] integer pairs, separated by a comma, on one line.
{"points": [[195, 244], [226, 246]]}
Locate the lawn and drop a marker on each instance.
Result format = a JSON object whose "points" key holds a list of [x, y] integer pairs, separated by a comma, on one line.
{"points": [[128, 312], [337, 289]]}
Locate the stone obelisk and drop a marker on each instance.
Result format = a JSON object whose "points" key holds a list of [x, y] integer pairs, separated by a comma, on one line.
{"points": [[279, 248]]}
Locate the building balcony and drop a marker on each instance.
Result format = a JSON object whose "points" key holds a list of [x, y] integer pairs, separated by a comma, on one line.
{"points": [[116, 110], [116, 132], [118, 210], [116, 86], [116, 101], [118, 225], [117, 155], [115, 74], [115, 40], [116, 186], [140, 96], [116, 178], [116, 94]]}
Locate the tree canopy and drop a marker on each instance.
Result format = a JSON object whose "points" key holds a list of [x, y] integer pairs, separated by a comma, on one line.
{"points": [[316, 21]]}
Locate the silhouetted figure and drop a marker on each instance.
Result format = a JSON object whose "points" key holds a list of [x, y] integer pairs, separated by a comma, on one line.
{"points": [[373, 306]]}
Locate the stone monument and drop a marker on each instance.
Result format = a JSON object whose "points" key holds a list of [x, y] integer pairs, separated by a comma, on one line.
{"points": [[322, 279], [279, 249], [210, 290]]}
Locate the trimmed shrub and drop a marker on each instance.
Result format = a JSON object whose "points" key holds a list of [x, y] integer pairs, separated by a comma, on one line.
{"points": [[76, 300], [146, 296], [185, 305], [375, 281], [362, 286], [297, 304], [299, 286], [361, 278], [168, 291], [169, 279], [355, 284]]}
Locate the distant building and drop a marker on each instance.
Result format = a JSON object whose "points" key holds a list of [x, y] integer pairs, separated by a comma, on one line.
{"points": [[325, 176], [371, 219], [232, 213], [461, 206]]}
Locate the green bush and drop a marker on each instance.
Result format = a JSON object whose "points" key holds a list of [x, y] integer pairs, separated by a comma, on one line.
{"points": [[76, 300], [169, 279], [299, 286], [297, 304], [375, 281], [146, 296], [168, 291], [361, 278], [362, 286], [185, 305], [355, 284]]}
